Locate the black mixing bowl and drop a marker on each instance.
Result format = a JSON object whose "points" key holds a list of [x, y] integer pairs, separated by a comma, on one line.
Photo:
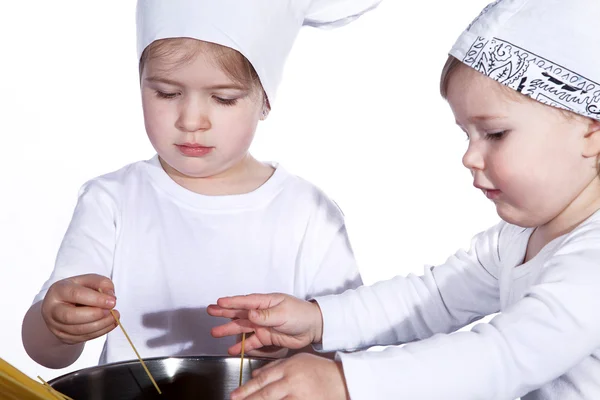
{"points": [[179, 378]]}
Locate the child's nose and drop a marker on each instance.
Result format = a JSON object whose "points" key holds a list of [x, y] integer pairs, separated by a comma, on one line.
{"points": [[193, 117], [473, 157]]}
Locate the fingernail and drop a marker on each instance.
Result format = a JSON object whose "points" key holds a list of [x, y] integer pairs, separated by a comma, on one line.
{"points": [[112, 293], [106, 313], [111, 303]]}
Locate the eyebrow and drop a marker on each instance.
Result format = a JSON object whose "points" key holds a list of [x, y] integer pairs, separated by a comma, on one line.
{"points": [[211, 87], [479, 118]]}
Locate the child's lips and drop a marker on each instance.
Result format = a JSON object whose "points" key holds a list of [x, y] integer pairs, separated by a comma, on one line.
{"points": [[492, 194], [193, 149]]}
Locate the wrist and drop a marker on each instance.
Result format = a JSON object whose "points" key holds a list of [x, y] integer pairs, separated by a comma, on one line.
{"points": [[317, 324]]}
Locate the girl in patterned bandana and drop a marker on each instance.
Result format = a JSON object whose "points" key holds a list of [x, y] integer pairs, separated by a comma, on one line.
{"points": [[523, 82], [202, 218]]}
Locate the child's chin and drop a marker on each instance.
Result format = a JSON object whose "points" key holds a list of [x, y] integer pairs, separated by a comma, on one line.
{"points": [[507, 214], [189, 166], [513, 216]]}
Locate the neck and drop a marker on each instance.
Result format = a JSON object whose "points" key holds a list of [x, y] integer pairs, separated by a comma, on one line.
{"points": [[245, 176], [581, 208]]}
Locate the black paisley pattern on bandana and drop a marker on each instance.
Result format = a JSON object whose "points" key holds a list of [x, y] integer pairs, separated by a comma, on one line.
{"points": [[534, 76]]}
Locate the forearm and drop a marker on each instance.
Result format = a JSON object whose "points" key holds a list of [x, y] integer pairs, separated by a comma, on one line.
{"points": [[41, 344], [391, 312]]}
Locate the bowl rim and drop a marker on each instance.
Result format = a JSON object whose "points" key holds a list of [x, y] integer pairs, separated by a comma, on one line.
{"points": [[92, 369]]}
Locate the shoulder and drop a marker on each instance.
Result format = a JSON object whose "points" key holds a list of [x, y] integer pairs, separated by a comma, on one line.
{"points": [[307, 195], [575, 257], [111, 186], [583, 240], [500, 243]]}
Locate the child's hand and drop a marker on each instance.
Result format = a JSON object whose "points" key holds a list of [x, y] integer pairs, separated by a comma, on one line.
{"points": [[76, 312], [276, 319], [303, 376], [266, 351]]}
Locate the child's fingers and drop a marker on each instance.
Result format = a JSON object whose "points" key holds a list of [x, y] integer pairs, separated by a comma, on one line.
{"points": [[270, 317], [69, 314], [269, 351], [83, 332], [267, 385], [89, 328], [95, 281], [277, 390], [252, 343], [235, 327], [77, 294], [216, 311], [68, 338], [251, 301]]}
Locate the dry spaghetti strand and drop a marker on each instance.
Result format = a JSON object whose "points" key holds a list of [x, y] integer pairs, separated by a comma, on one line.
{"points": [[242, 357], [134, 349], [14, 384]]}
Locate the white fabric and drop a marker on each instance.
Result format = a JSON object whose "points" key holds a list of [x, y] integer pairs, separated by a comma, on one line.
{"points": [[545, 341], [172, 252], [545, 49], [262, 30]]}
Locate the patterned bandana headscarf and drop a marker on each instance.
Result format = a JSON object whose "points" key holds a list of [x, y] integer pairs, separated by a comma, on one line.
{"points": [[548, 50]]}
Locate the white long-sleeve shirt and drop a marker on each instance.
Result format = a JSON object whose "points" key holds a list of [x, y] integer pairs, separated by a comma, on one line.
{"points": [[171, 252], [544, 344]]}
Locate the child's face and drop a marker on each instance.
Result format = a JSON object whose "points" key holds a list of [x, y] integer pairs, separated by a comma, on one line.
{"points": [[200, 122], [525, 156]]}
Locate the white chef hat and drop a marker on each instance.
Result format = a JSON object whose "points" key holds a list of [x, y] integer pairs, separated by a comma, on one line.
{"points": [[548, 50], [261, 30]]}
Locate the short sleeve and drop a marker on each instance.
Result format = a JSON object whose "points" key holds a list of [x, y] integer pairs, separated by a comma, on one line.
{"points": [[89, 243]]}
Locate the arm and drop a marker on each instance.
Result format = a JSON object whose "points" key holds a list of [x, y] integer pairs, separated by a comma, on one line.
{"points": [[399, 310], [327, 262], [403, 309], [330, 259], [542, 336], [42, 345], [52, 332]]}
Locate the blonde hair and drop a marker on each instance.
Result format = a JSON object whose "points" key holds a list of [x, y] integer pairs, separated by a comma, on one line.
{"points": [[450, 67]]}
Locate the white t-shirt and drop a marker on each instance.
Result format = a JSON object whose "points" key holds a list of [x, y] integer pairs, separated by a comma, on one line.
{"points": [[172, 252], [545, 341]]}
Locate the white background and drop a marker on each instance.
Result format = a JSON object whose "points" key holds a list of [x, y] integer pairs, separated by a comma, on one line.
{"points": [[358, 114]]}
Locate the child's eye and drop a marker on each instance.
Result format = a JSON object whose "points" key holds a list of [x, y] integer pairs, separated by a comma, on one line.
{"points": [[495, 135], [164, 95], [225, 102]]}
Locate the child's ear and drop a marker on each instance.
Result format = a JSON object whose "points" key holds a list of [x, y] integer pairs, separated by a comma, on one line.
{"points": [[266, 108], [264, 114], [592, 139]]}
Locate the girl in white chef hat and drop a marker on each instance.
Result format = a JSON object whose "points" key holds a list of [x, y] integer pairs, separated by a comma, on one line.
{"points": [[523, 82], [203, 218]]}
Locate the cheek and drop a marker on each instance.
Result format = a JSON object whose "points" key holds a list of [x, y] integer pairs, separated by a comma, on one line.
{"points": [[156, 117], [514, 170], [238, 125], [536, 178], [242, 140]]}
